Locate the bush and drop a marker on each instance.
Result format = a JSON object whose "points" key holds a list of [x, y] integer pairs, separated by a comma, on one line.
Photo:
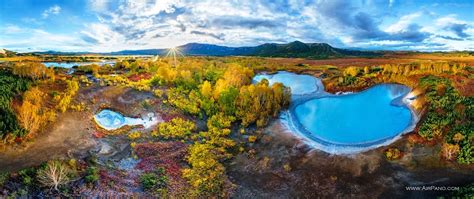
{"points": [[10, 85], [177, 128], [92, 175], [393, 154], [154, 181], [27, 176], [134, 135], [3, 178]]}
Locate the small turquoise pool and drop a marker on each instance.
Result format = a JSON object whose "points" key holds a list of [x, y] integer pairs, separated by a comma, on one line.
{"points": [[72, 64], [111, 120]]}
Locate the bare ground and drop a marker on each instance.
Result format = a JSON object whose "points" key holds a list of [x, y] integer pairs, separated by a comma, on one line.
{"points": [[71, 135], [261, 171]]}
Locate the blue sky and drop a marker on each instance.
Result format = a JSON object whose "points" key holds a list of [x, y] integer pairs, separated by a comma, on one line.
{"points": [[112, 25]]}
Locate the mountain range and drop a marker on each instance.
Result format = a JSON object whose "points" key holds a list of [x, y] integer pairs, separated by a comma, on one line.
{"points": [[294, 49]]}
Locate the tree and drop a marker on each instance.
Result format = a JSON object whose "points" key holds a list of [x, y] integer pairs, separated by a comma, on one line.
{"points": [[206, 175], [206, 89], [351, 71], [54, 175], [66, 98], [227, 100], [95, 70], [450, 151], [32, 114]]}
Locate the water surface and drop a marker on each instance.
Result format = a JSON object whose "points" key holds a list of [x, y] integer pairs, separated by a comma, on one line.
{"points": [[299, 84], [371, 116], [111, 120], [72, 64], [344, 123]]}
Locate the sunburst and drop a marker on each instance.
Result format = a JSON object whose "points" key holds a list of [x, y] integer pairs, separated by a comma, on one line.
{"points": [[174, 52]]}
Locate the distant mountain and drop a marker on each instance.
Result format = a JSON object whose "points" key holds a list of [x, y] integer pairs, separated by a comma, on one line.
{"points": [[294, 49], [193, 49]]}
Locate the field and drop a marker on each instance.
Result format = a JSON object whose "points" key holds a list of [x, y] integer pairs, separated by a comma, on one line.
{"points": [[221, 135]]}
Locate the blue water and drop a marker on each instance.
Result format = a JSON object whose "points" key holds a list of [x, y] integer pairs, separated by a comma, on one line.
{"points": [[72, 64], [366, 117], [299, 84], [347, 123], [109, 120]]}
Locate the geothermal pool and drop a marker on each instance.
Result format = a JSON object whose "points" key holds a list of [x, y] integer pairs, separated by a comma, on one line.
{"points": [[72, 64], [362, 118], [111, 120], [345, 123], [299, 84]]}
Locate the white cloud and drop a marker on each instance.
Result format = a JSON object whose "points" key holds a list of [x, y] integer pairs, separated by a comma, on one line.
{"points": [[53, 10], [98, 5], [403, 23], [139, 24], [148, 8], [12, 29]]}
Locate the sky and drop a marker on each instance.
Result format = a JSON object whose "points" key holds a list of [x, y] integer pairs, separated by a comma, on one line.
{"points": [[113, 25]]}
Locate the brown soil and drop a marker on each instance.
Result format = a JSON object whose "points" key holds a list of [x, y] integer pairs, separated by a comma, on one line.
{"points": [[70, 136], [313, 174]]}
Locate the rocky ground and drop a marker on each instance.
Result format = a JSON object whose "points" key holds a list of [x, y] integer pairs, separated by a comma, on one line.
{"points": [[280, 165]]}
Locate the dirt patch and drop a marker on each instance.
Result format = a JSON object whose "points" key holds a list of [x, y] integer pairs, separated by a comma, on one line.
{"points": [[281, 166], [70, 136]]}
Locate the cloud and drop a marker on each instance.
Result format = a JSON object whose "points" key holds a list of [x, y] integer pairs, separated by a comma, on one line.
{"points": [[53, 10], [137, 24], [98, 5], [215, 36], [458, 29], [12, 29], [353, 24], [461, 29], [230, 22], [403, 23]]}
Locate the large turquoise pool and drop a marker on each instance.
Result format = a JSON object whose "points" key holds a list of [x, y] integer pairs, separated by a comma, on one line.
{"points": [[361, 118], [344, 123]]}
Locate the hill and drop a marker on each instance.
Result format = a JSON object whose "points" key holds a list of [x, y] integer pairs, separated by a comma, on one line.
{"points": [[294, 49]]}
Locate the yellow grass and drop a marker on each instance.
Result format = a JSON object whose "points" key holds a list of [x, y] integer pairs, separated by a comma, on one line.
{"points": [[21, 58]]}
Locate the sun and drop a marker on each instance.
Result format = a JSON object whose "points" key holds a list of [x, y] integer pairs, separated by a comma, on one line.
{"points": [[173, 52]]}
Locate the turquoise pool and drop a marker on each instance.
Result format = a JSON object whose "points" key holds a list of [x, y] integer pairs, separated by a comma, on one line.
{"points": [[111, 120], [299, 84], [362, 118], [344, 123], [72, 64]]}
